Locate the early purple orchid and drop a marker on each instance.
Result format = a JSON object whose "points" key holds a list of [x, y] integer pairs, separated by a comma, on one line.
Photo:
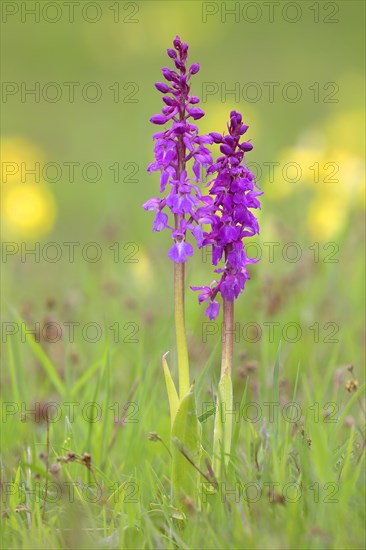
{"points": [[175, 147], [234, 193]]}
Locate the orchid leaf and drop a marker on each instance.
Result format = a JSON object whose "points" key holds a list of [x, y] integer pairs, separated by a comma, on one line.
{"points": [[223, 424], [186, 450], [171, 389]]}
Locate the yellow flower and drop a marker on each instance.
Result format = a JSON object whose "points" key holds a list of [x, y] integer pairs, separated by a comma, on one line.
{"points": [[333, 174], [349, 128], [326, 217], [28, 208], [142, 270], [28, 211], [296, 168]]}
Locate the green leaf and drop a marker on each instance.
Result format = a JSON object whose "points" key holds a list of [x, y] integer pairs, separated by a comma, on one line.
{"points": [[276, 375], [223, 424], [186, 449], [14, 374], [204, 416], [354, 397], [85, 377], [92, 425], [276, 384], [241, 415], [46, 363], [171, 389], [105, 420]]}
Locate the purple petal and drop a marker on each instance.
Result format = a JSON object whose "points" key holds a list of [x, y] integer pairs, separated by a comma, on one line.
{"points": [[152, 204], [205, 294], [198, 235], [212, 310], [179, 252], [160, 222], [196, 113]]}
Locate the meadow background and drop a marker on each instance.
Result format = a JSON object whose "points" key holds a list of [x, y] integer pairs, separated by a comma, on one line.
{"points": [[115, 289]]}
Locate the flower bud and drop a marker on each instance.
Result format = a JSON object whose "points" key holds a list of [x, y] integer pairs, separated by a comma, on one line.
{"points": [[196, 113], [246, 146], [243, 128], [226, 149], [169, 100], [168, 74], [216, 137], [193, 69], [162, 87], [159, 119], [172, 53], [177, 42]]}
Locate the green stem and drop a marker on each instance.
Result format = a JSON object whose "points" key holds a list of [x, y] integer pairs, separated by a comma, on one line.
{"points": [[179, 271], [180, 331], [223, 421], [228, 338]]}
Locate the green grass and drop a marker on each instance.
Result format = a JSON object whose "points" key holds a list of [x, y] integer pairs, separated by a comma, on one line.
{"points": [[289, 484]]}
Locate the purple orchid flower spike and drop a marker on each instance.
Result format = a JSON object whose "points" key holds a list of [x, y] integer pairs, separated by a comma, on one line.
{"points": [[235, 194], [175, 148], [180, 157]]}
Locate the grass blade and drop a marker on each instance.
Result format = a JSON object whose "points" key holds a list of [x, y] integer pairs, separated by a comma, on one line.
{"points": [[44, 360]]}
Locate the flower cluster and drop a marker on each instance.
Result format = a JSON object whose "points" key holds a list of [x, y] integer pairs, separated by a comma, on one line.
{"points": [[234, 193], [174, 148]]}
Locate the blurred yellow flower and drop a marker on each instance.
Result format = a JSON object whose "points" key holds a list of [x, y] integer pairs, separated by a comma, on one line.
{"points": [[28, 208], [347, 128], [326, 217], [142, 271], [333, 174]]}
